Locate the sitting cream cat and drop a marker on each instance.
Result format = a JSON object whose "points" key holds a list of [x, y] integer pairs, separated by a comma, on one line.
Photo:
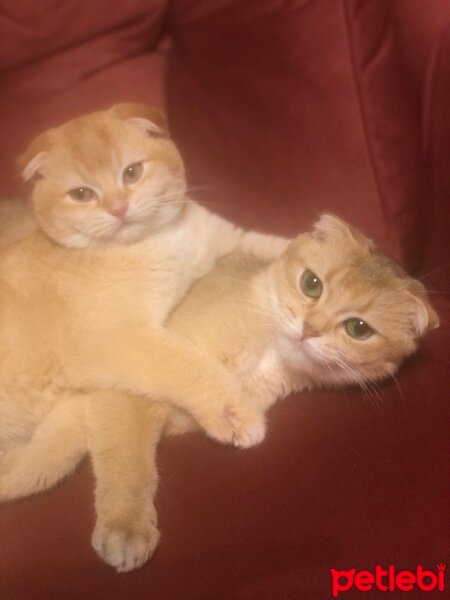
{"points": [[331, 311], [83, 306]]}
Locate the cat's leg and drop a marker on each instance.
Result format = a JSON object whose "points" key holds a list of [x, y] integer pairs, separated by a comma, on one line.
{"points": [[53, 452], [264, 247], [223, 237], [156, 364], [123, 435]]}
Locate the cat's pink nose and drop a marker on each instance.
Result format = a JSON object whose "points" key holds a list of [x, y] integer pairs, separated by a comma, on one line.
{"points": [[118, 210], [309, 331]]}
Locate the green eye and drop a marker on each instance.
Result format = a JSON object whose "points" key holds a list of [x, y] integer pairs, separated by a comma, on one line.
{"points": [[310, 284], [358, 329]]}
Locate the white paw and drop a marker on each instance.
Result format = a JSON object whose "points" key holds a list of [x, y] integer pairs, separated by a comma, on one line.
{"points": [[125, 548], [249, 433], [239, 425]]}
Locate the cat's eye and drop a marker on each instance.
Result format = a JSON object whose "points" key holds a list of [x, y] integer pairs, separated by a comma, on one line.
{"points": [[132, 173], [358, 329], [82, 194], [310, 284]]}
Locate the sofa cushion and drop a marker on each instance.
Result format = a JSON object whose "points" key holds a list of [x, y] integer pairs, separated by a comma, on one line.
{"points": [[304, 104], [62, 59]]}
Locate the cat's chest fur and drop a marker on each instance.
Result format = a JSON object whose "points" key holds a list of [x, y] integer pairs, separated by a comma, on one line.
{"points": [[144, 281], [52, 298], [263, 375]]}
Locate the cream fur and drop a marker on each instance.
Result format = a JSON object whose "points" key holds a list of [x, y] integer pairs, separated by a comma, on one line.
{"points": [[96, 317], [84, 301], [16, 220], [250, 315]]}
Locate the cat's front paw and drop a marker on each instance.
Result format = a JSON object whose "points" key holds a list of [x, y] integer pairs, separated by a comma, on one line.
{"points": [[125, 547], [238, 424]]}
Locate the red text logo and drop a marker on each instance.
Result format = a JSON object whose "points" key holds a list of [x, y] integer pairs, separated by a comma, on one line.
{"points": [[388, 580]]}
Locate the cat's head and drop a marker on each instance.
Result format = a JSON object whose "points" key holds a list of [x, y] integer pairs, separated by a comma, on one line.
{"points": [[108, 176], [344, 309]]}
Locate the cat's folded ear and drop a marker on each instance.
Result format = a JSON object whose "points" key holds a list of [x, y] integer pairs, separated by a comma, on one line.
{"points": [[425, 318], [331, 226], [32, 162], [149, 117]]}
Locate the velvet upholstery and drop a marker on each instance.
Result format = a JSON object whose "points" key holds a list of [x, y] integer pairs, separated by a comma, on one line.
{"points": [[282, 110]]}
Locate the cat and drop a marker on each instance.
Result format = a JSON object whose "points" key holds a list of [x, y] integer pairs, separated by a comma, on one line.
{"points": [[331, 311], [83, 300]]}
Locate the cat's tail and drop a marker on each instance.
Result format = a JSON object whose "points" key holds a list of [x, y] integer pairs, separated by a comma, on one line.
{"points": [[16, 220], [54, 451]]}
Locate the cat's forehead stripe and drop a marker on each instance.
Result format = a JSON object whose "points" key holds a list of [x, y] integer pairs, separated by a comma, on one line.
{"points": [[94, 144]]}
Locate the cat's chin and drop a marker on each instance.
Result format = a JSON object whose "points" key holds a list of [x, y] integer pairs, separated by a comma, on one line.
{"points": [[129, 233], [303, 360], [135, 231], [299, 355]]}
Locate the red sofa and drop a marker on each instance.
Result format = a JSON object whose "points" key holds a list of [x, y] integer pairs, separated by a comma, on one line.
{"points": [[282, 110]]}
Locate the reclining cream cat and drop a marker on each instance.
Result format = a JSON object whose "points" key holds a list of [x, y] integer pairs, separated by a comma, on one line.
{"points": [[331, 311], [83, 307]]}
